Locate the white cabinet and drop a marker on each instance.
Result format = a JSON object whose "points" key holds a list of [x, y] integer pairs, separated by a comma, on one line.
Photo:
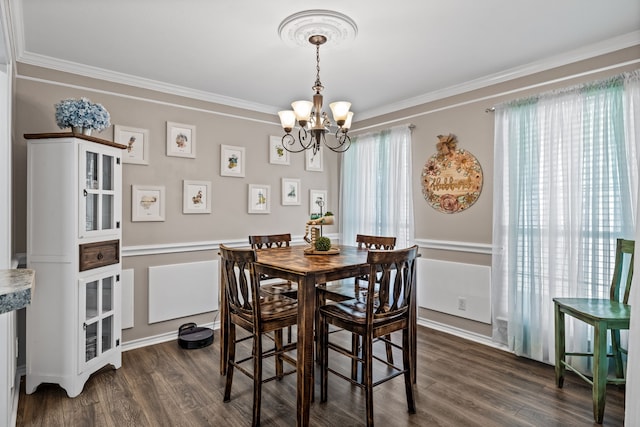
{"points": [[73, 243]]}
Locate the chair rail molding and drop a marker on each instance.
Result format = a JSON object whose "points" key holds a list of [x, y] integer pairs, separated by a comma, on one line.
{"points": [[209, 245], [450, 245]]}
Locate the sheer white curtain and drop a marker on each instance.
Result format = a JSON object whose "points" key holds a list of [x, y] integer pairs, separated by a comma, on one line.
{"points": [[376, 193], [565, 188]]}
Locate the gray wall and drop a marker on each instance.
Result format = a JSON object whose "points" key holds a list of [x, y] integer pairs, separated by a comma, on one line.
{"points": [[37, 90]]}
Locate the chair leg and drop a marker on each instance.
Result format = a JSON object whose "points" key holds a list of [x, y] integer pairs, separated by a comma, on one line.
{"points": [[323, 349], [355, 351], [224, 331], [560, 346], [367, 380], [389, 350], [600, 365], [257, 376], [277, 335], [617, 354], [230, 358], [406, 364]]}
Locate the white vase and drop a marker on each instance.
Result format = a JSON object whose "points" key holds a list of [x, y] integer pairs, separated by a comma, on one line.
{"points": [[81, 130]]}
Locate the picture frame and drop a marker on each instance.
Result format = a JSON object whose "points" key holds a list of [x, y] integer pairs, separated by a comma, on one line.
{"points": [[181, 140], [314, 197], [259, 199], [137, 142], [232, 161], [147, 203], [313, 162], [290, 191], [196, 197], [278, 155]]}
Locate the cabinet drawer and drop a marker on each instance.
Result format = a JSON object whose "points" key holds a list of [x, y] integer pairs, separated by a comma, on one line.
{"points": [[99, 254]]}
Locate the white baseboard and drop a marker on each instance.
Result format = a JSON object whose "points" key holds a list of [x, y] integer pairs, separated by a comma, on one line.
{"points": [[157, 339], [471, 336]]}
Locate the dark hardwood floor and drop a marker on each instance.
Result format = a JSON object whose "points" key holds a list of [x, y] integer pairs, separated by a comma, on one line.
{"points": [[459, 383]]}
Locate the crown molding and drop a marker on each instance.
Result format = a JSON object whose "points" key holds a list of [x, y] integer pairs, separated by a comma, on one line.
{"points": [[126, 79], [586, 52]]}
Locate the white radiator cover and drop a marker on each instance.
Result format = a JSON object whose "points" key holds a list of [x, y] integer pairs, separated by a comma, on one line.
{"points": [[127, 301], [446, 287], [179, 290]]}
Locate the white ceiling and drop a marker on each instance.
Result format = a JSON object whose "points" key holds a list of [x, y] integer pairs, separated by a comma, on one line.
{"points": [[229, 51]]}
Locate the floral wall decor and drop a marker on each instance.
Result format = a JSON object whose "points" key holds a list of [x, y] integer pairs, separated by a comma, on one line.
{"points": [[451, 178]]}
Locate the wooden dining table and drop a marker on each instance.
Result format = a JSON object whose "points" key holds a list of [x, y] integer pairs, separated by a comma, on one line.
{"points": [[291, 263]]}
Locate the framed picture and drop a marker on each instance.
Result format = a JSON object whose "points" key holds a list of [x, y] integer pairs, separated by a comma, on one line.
{"points": [[290, 191], [196, 197], [181, 140], [277, 154], [137, 142], [313, 162], [259, 199], [317, 201], [231, 161], [147, 203]]}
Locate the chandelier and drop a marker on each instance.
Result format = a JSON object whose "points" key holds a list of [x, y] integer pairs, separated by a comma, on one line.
{"points": [[313, 123]]}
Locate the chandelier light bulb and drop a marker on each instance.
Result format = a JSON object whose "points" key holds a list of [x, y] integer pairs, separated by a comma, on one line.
{"points": [[347, 123], [340, 111], [287, 119], [302, 110]]}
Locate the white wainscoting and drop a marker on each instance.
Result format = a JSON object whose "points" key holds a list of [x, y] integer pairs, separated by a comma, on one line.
{"points": [[459, 289], [180, 290]]}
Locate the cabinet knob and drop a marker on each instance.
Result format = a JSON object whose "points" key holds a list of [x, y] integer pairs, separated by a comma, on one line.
{"points": [[100, 256]]}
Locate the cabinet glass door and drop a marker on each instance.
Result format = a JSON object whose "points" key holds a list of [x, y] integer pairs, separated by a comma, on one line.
{"points": [[97, 302], [99, 181]]}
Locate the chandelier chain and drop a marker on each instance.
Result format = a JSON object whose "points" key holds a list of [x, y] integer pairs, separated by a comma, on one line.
{"points": [[318, 86]]}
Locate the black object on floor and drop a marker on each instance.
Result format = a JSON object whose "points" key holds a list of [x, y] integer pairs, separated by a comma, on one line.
{"points": [[192, 336]]}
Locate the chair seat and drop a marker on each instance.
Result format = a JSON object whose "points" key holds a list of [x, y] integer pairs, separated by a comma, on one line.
{"points": [[591, 310], [355, 310], [345, 289], [279, 287], [272, 308]]}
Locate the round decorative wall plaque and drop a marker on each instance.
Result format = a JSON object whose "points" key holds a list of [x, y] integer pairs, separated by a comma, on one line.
{"points": [[451, 178]]}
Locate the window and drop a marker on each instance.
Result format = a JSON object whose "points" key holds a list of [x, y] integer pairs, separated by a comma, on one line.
{"points": [[376, 192]]}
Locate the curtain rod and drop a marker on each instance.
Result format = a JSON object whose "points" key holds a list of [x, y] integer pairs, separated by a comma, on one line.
{"points": [[490, 110]]}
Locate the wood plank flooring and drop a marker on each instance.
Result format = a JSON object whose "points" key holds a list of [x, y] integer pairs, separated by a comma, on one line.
{"points": [[459, 383]]}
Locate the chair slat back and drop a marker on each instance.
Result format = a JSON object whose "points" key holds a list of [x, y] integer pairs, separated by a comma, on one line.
{"points": [[394, 272], [623, 270], [240, 280], [270, 241], [375, 242]]}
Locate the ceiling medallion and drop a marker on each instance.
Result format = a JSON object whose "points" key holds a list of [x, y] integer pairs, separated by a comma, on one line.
{"points": [[296, 29]]}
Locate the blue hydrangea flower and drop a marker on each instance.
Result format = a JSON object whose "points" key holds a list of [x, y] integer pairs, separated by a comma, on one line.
{"points": [[81, 113]]}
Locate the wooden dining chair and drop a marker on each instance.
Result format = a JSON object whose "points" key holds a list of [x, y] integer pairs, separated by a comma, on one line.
{"points": [[258, 314], [346, 289], [271, 285], [275, 286], [604, 315], [386, 308]]}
